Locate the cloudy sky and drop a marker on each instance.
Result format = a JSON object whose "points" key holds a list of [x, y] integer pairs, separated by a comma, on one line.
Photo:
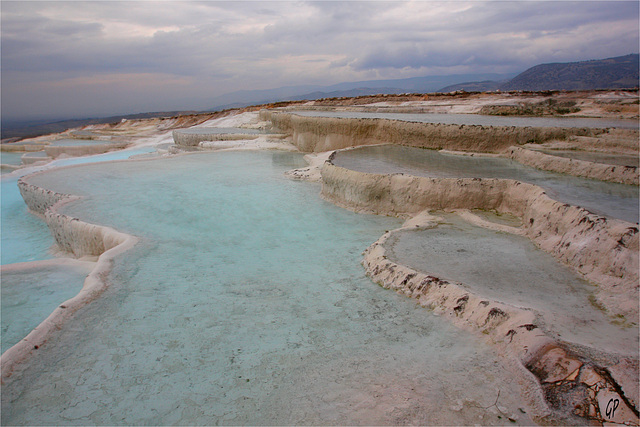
{"points": [[83, 59]]}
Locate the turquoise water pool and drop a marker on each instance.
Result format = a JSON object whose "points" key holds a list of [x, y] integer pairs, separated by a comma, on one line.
{"points": [[30, 294], [25, 237], [245, 303]]}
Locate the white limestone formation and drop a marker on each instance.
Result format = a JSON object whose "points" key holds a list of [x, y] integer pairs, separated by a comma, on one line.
{"points": [[83, 241], [602, 250]]}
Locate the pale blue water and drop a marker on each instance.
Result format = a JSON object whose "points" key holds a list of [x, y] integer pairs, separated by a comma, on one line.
{"points": [[30, 295], [10, 158], [37, 154], [480, 120], [604, 198], [106, 157], [245, 303], [24, 236]]}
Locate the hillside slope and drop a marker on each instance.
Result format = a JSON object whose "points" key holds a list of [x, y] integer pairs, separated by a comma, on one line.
{"points": [[611, 73]]}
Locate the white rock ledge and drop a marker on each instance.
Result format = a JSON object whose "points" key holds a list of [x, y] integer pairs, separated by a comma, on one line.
{"points": [[516, 331], [194, 139], [318, 134], [80, 239]]}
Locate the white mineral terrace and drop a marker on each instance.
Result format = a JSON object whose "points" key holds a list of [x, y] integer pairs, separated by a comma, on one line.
{"points": [[556, 373], [577, 238]]}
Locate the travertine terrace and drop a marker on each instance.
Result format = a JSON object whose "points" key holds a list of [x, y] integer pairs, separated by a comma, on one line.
{"points": [[80, 240], [579, 385], [576, 381]]}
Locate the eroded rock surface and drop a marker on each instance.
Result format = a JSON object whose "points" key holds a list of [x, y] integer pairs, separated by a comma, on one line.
{"points": [[578, 388]]}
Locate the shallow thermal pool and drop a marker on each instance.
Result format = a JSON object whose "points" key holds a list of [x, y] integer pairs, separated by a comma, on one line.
{"points": [[245, 303], [604, 198], [31, 293], [10, 158], [25, 237], [478, 119], [509, 268]]}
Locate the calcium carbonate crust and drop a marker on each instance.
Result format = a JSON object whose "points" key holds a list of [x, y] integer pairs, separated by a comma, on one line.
{"points": [[319, 134], [79, 239]]}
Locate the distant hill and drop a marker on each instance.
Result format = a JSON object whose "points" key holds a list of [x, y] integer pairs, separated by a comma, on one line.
{"points": [[611, 73], [245, 98], [348, 93], [310, 96]]}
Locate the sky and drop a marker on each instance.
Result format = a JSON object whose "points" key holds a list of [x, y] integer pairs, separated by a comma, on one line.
{"points": [[78, 59]]}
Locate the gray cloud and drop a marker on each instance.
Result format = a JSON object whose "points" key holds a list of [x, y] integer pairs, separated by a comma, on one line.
{"points": [[165, 55]]}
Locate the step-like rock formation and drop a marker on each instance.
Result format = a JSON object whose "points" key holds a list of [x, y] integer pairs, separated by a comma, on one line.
{"points": [[319, 134], [80, 239], [593, 385], [604, 250]]}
